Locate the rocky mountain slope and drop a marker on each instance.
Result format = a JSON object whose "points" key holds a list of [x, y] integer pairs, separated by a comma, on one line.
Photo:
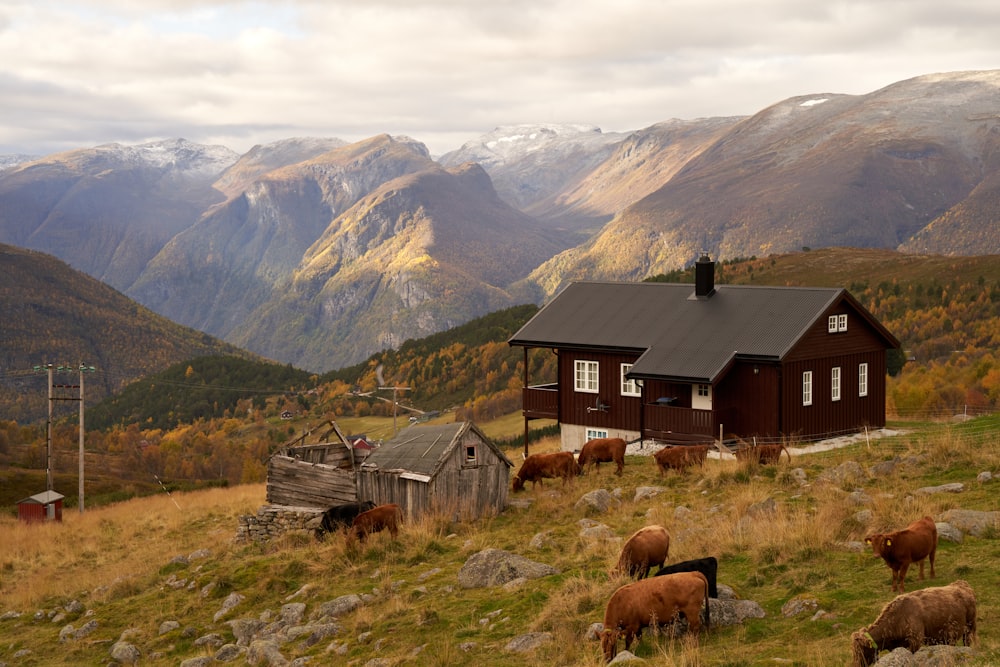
{"points": [[314, 251]]}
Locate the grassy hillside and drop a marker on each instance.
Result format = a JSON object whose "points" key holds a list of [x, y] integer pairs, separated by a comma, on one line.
{"points": [[120, 562]]}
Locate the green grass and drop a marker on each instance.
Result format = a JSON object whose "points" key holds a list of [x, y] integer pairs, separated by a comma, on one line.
{"points": [[414, 599]]}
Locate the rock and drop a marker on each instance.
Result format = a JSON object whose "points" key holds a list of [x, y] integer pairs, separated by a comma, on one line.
{"points": [[972, 522], [953, 487], [229, 652], [528, 642], [66, 633], [265, 652], [765, 509], [798, 605], [681, 513], [212, 640], [74, 607], [594, 632], [859, 497], [598, 533], [345, 604], [848, 472], [228, 605], [734, 612], [202, 661], [927, 656], [625, 657], [984, 477], [125, 652], [799, 475], [541, 540], [168, 626], [863, 516], [949, 533], [599, 501], [293, 612], [495, 567], [647, 492]]}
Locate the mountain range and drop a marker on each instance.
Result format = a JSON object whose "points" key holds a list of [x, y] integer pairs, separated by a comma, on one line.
{"points": [[318, 252]]}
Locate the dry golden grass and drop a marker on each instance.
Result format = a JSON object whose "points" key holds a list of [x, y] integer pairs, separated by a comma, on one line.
{"points": [[105, 548]]}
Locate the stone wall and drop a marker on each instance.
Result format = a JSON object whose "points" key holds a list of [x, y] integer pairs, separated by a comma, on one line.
{"points": [[274, 520]]}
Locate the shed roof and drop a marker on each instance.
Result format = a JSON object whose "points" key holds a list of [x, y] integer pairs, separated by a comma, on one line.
{"points": [[43, 498], [423, 448], [677, 335]]}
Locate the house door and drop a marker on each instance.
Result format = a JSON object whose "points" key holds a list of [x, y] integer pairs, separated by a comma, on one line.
{"points": [[701, 396]]}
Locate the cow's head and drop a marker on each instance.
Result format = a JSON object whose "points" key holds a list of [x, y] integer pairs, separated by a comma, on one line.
{"points": [[864, 649], [609, 643], [518, 483], [878, 542]]}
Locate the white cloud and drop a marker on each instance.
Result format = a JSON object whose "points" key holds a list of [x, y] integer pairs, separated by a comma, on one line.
{"points": [[84, 72]]}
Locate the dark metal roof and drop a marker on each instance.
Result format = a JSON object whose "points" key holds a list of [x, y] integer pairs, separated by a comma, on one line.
{"points": [[677, 335], [423, 448]]}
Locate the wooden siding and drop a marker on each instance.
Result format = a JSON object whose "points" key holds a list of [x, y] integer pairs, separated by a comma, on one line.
{"points": [[623, 412], [826, 415], [746, 401], [459, 489], [291, 481]]}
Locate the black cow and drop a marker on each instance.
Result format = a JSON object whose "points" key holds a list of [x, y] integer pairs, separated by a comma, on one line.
{"points": [[341, 516], [708, 566]]}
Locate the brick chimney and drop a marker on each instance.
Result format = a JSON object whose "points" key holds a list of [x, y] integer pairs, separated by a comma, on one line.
{"points": [[704, 277]]}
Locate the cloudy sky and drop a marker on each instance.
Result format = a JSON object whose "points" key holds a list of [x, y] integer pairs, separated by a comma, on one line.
{"points": [[77, 73]]}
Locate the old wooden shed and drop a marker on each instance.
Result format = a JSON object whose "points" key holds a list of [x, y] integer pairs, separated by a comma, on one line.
{"points": [[451, 468], [314, 475]]}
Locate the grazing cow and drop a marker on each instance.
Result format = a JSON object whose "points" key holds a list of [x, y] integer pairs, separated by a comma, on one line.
{"points": [[911, 545], [654, 601], [764, 454], [680, 457], [341, 516], [603, 450], [384, 517], [942, 615], [708, 566], [647, 547], [539, 466]]}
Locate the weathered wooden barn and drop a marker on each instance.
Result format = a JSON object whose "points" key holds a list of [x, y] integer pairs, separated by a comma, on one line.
{"points": [[450, 468], [44, 506], [685, 363], [319, 475]]}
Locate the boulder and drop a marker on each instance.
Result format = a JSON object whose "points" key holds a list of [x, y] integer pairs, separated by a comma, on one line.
{"points": [[496, 567]]}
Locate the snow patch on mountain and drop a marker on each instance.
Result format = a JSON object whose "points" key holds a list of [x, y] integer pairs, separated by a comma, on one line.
{"points": [[510, 143], [178, 155]]}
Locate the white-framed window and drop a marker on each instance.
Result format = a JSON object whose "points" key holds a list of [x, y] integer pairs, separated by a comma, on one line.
{"points": [[585, 376], [594, 433], [835, 383], [705, 390], [863, 379], [836, 323], [629, 387], [807, 388]]}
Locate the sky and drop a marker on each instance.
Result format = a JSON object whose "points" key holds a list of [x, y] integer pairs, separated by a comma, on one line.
{"points": [[80, 73]]}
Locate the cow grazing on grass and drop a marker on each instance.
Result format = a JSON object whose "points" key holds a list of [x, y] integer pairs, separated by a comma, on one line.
{"points": [[647, 547], [341, 516], [539, 466], [942, 615], [708, 566], [383, 517], [603, 450], [763, 454], [654, 601], [911, 545], [680, 457]]}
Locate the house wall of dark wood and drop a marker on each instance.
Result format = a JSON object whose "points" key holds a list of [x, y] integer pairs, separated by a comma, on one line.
{"points": [[746, 399], [623, 412], [820, 351]]}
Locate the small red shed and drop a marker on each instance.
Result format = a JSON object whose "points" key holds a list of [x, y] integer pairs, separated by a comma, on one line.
{"points": [[44, 506]]}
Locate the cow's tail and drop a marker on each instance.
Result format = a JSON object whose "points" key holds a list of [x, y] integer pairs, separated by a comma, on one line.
{"points": [[785, 449]]}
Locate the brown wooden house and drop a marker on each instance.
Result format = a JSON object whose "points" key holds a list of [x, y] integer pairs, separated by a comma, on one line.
{"points": [[682, 363]]}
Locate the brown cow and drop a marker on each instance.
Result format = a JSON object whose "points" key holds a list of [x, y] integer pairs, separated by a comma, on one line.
{"points": [[911, 545], [382, 517], [764, 454], [942, 615], [655, 601], [680, 457], [603, 450], [539, 466], [647, 547]]}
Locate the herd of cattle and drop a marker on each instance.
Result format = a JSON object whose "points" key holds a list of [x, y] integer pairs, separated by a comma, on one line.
{"points": [[937, 615]]}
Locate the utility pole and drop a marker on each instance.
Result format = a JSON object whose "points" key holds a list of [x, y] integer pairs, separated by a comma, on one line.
{"points": [[53, 397]]}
